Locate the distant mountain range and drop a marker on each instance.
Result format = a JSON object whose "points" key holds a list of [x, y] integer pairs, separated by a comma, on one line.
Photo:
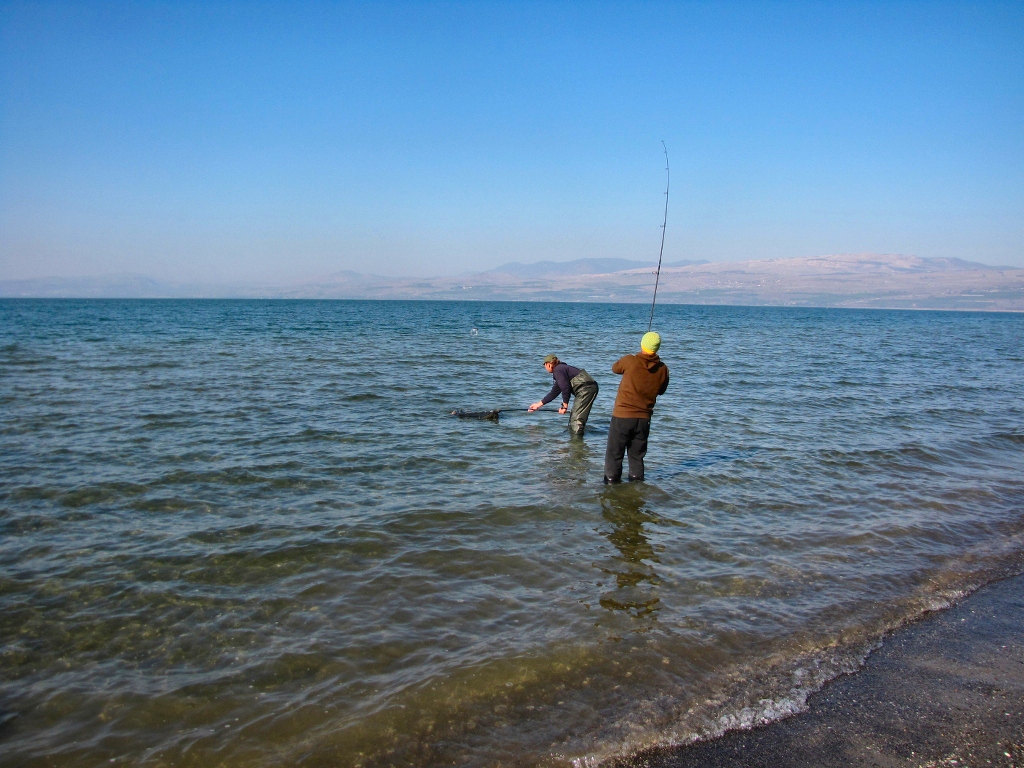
{"points": [[858, 280], [582, 267]]}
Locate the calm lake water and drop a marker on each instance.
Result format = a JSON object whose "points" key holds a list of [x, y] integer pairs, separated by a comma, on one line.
{"points": [[249, 533]]}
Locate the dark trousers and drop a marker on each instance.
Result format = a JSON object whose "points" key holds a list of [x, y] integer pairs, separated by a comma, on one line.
{"points": [[626, 435]]}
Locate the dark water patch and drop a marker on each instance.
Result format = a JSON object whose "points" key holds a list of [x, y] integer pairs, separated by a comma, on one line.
{"points": [[164, 504], [143, 366], [230, 476], [313, 434], [28, 364], [223, 535], [1007, 437], [710, 458], [154, 423], [99, 493], [18, 493], [35, 522], [371, 466]]}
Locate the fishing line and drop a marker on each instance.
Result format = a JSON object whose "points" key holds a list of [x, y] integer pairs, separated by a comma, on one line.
{"points": [[495, 414], [664, 223]]}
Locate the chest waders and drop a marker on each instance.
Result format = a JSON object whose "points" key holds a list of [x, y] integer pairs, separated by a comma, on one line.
{"points": [[584, 391]]}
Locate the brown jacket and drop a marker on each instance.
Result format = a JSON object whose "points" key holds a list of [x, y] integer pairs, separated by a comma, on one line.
{"points": [[644, 377]]}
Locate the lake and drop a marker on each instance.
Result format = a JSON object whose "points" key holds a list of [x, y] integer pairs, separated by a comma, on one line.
{"points": [[250, 533]]}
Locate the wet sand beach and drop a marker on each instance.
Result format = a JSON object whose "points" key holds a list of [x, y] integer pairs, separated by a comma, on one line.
{"points": [[945, 691]]}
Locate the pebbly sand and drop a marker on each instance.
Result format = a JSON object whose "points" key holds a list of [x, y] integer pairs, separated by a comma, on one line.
{"points": [[945, 691]]}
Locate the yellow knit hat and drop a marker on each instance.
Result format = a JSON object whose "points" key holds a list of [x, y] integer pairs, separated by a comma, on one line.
{"points": [[650, 343]]}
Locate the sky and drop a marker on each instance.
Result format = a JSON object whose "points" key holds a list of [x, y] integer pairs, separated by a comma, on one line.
{"points": [[285, 141]]}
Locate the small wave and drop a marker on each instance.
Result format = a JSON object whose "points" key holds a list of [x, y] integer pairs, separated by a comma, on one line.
{"points": [[1009, 437], [32, 493], [711, 458], [95, 494], [137, 367], [312, 434], [228, 476], [731, 703], [165, 504]]}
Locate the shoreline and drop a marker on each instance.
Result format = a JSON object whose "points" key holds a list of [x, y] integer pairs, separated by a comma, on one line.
{"points": [[947, 690], [668, 301]]}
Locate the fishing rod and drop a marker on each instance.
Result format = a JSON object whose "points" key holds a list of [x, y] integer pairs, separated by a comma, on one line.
{"points": [[664, 223], [495, 414]]}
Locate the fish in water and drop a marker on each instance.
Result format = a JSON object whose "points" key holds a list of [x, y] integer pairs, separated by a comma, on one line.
{"points": [[483, 415]]}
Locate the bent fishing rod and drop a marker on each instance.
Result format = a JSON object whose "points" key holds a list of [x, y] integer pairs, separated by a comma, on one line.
{"points": [[664, 224], [495, 414]]}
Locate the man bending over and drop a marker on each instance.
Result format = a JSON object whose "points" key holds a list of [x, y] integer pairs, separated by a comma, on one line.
{"points": [[569, 381]]}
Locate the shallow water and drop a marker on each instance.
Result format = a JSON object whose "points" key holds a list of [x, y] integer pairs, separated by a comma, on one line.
{"points": [[248, 533]]}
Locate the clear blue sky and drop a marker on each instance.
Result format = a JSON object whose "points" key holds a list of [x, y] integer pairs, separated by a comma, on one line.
{"points": [[275, 141]]}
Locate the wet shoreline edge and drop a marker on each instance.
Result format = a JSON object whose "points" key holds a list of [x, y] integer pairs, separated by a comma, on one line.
{"points": [[946, 690]]}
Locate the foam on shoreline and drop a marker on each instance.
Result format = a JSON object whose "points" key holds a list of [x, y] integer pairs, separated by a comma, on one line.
{"points": [[946, 690]]}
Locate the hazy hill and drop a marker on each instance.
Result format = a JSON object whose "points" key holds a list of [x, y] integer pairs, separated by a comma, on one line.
{"points": [[126, 286], [847, 280], [102, 286], [581, 267]]}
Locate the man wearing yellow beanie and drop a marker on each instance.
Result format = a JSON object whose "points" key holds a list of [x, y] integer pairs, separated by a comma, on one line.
{"points": [[644, 377]]}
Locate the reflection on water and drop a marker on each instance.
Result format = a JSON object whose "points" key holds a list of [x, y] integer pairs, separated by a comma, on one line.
{"points": [[624, 507], [573, 457]]}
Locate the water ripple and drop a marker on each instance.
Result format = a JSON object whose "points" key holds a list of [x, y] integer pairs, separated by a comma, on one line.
{"points": [[243, 533]]}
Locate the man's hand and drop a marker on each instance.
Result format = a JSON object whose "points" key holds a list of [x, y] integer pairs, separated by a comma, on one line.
{"points": [[564, 408], [535, 406]]}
